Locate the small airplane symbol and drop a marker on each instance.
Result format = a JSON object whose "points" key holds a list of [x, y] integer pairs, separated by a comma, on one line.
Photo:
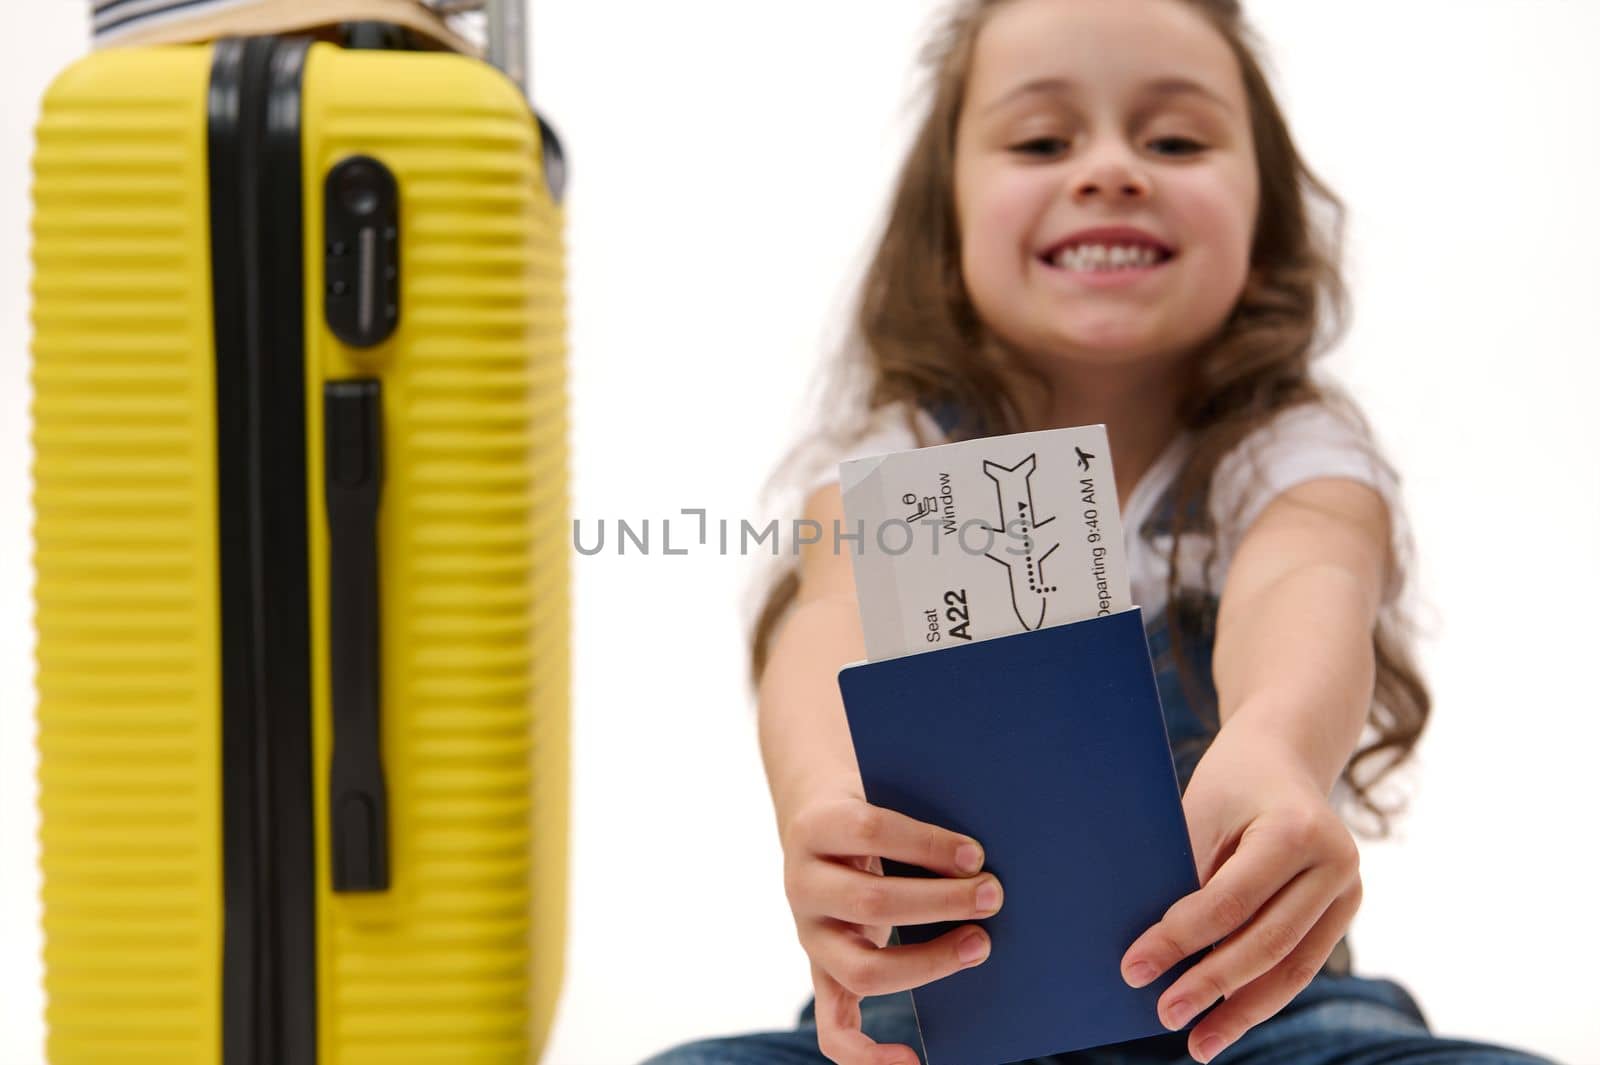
{"points": [[1083, 457]]}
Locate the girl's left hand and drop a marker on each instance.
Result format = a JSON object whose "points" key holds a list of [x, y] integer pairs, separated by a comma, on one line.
{"points": [[1280, 883]]}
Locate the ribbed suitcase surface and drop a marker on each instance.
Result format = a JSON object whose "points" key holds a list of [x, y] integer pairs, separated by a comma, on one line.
{"points": [[460, 958], [126, 563]]}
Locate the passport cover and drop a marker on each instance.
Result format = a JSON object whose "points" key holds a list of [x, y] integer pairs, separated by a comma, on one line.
{"points": [[1049, 748]]}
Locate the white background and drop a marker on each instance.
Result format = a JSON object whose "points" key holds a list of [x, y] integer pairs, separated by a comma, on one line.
{"points": [[729, 163]]}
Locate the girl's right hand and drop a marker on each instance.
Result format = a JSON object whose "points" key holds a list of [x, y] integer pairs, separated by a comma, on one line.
{"points": [[844, 908]]}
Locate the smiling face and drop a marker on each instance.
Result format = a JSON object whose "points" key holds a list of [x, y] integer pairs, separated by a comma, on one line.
{"points": [[1106, 183]]}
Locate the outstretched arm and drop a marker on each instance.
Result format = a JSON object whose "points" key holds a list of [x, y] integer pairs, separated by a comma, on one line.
{"points": [[1294, 669], [1293, 657]]}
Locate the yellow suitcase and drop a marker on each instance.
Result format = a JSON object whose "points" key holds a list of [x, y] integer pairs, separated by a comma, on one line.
{"points": [[301, 503]]}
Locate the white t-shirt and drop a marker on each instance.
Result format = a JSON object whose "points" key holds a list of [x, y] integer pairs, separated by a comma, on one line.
{"points": [[1299, 444]]}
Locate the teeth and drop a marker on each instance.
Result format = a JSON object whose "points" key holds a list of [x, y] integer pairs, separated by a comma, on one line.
{"points": [[1100, 257]]}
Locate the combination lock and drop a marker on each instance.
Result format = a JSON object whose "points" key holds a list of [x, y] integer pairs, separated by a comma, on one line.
{"points": [[361, 212]]}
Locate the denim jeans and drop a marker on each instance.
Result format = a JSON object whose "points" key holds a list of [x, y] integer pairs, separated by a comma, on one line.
{"points": [[1335, 1020]]}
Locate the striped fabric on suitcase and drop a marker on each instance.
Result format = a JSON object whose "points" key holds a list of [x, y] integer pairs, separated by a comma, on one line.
{"points": [[459, 25]]}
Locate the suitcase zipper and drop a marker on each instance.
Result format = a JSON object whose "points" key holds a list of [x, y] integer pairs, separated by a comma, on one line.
{"points": [[269, 935]]}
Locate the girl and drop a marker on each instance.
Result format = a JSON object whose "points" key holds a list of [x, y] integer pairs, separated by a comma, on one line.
{"points": [[1104, 219]]}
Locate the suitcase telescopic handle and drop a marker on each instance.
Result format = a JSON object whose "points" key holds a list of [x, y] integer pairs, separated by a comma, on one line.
{"points": [[353, 476], [507, 39]]}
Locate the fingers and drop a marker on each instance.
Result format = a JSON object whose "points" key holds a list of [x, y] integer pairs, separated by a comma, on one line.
{"points": [[850, 827], [1266, 860], [863, 969], [839, 1034], [844, 906], [831, 889], [1268, 939], [1264, 996]]}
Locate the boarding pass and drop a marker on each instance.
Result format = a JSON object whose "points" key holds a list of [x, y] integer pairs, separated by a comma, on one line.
{"points": [[982, 538]]}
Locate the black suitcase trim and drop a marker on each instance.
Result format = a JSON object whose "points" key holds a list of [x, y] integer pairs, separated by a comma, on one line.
{"points": [[269, 900]]}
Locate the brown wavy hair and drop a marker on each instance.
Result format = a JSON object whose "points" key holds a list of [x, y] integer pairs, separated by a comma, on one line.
{"points": [[918, 341]]}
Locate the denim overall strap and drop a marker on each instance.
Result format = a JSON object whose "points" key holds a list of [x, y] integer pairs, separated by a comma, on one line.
{"points": [[1190, 712], [947, 414]]}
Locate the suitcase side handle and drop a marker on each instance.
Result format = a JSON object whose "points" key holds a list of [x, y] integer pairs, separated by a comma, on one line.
{"points": [[353, 477]]}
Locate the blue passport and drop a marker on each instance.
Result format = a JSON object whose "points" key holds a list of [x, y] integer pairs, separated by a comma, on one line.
{"points": [[1049, 748]]}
